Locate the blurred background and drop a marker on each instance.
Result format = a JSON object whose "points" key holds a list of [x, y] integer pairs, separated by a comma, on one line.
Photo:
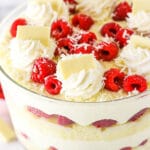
{"points": [[6, 6]]}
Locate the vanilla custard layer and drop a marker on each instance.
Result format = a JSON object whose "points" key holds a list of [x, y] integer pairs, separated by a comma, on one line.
{"points": [[31, 145]]}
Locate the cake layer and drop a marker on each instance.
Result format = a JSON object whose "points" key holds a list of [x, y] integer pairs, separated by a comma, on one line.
{"points": [[30, 145], [44, 141], [77, 132]]}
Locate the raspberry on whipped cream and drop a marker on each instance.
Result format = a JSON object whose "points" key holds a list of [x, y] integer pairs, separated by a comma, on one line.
{"points": [[121, 11], [16, 23]]}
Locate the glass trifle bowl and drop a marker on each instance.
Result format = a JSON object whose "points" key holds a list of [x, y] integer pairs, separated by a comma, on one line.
{"points": [[44, 122], [36, 122]]}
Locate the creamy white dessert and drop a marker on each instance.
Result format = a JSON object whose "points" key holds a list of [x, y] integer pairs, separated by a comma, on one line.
{"points": [[140, 18], [66, 87], [43, 13]]}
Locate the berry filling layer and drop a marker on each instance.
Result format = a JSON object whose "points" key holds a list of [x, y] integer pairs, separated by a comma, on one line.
{"points": [[64, 121]]}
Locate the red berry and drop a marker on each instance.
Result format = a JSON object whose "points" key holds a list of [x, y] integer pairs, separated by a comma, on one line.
{"points": [[15, 24], [104, 123], [88, 37], [24, 135], [82, 21], [64, 46], [72, 5], [122, 36], [84, 49], [42, 67], [106, 51], [121, 11], [1, 93], [60, 29], [143, 143], [138, 115], [135, 82], [114, 79], [126, 148], [52, 148], [39, 113], [64, 121], [52, 85], [110, 29]]}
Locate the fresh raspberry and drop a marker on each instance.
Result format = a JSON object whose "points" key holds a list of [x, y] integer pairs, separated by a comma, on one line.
{"points": [[83, 21], [15, 24], [24, 135], [121, 11], [72, 5], [84, 49], [110, 29], [106, 51], [88, 37], [126, 148], [1, 93], [122, 36], [39, 113], [64, 121], [143, 143], [104, 123], [64, 46], [135, 82], [52, 148], [52, 85], [138, 115], [42, 67], [60, 29], [114, 79]]}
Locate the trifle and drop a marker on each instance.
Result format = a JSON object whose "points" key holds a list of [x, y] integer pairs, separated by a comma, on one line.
{"points": [[75, 74]]}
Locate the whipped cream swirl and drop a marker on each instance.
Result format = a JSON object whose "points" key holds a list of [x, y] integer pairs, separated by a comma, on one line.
{"points": [[139, 21], [137, 60], [44, 13], [102, 8], [84, 84], [23, 52]]}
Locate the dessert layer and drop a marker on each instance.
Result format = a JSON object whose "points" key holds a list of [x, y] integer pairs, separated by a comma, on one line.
{"points": [[75, 131], [23, 77], [30, 145], [91, 112], [62, 143]]}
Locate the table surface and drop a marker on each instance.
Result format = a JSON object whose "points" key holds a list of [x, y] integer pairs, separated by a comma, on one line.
{"points": [[11, 146]]}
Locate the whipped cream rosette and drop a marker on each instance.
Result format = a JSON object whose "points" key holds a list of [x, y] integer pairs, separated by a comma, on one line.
{"points": [[139, 19], [44, 12], [140, 22], [136, 56], [27, 46], [81, 75], [102, 9]]}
